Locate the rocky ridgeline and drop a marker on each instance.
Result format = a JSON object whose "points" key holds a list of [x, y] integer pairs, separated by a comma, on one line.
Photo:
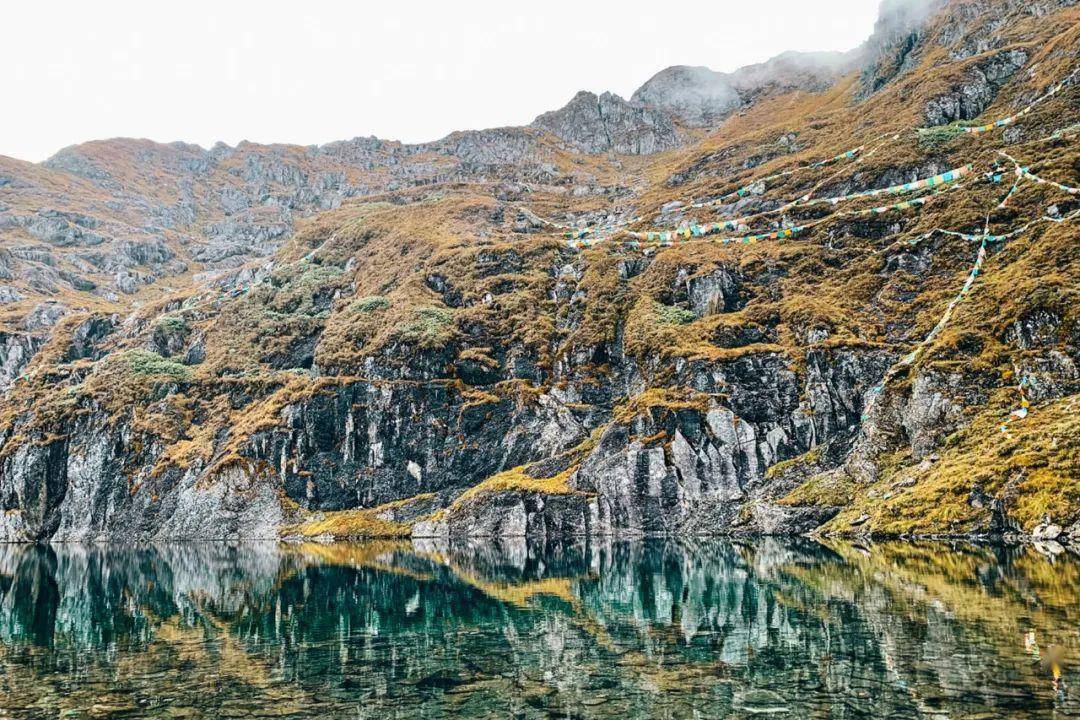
{"points": [[491, 381], [139, 213]]}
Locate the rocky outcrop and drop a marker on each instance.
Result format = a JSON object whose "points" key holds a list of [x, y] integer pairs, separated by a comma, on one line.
{"points": [[693, 470], [515, 514], [667, 469], [968, 99], [359, 446], [697, 96], [607, 123], [16, 350], [700, 97], [687, 468], [356, 446], [891, 49], [694, 96], [97, 483], [60, 228]]}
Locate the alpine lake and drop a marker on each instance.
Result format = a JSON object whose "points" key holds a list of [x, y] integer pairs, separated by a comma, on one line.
{"points": [[598, 628]]}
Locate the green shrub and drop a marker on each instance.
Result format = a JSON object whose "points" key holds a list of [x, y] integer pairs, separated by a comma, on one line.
{"points": [[315, 276], [369, 304], [171, 324], [430, 327], [296, 294], [936, 136], [141, 363], [671, 315]]}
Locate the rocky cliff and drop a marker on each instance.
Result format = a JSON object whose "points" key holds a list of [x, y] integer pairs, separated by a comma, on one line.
{"points": [[374, 339]]}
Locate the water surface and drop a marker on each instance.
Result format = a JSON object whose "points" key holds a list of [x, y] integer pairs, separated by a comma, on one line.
{"points": [[652, 629]]}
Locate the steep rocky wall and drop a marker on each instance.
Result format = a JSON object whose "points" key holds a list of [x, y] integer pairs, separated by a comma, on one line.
{"points": [[677, 467], [98, 483], [369, 443]]}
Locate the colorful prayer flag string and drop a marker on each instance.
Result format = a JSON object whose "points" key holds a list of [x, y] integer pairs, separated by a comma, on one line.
{"points": [[748, 188], [1043, 181], [975, 130], [697, 230], [1023, 173], [875, 392], [574, 233], [934, 181], [693, 233]]}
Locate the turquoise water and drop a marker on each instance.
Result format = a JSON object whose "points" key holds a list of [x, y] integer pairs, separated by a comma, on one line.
{"points": [[652, 629]]}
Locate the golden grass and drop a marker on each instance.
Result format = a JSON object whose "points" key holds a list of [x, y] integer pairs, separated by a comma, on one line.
{"points": [[662, 400], [824, 490], [516, 479], [359, 523], [1034, 469]]}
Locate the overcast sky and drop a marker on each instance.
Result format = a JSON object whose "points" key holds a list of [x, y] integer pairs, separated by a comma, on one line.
{"points": [[313, 71]]}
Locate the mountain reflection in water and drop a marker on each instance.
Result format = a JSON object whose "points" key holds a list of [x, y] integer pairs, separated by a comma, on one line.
{"points": [[505, 629]]}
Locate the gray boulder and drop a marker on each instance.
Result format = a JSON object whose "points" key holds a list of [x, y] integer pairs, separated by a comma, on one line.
{"points": [[9, 295]]}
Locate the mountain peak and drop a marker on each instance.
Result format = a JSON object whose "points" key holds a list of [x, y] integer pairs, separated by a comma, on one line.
{"points": [[602, 123], [696, 95], [700, 97]]}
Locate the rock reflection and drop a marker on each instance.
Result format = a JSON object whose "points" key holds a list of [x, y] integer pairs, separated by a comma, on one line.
{"points": [[650, 629]]}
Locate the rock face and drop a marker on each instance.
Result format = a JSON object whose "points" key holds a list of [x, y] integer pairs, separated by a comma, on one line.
{"points": [[697, 96], [78, 489], [608, 123], [16, 350], [969, 98], [674, 469], [667, 469], [892, 49], [356, 446], [692, 471]]}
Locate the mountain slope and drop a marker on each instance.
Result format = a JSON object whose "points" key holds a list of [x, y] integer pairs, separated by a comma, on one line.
{"points": [[440, 360]]}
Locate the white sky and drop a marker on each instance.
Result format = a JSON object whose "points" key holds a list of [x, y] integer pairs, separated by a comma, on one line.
{"points": [[313, 71]]}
